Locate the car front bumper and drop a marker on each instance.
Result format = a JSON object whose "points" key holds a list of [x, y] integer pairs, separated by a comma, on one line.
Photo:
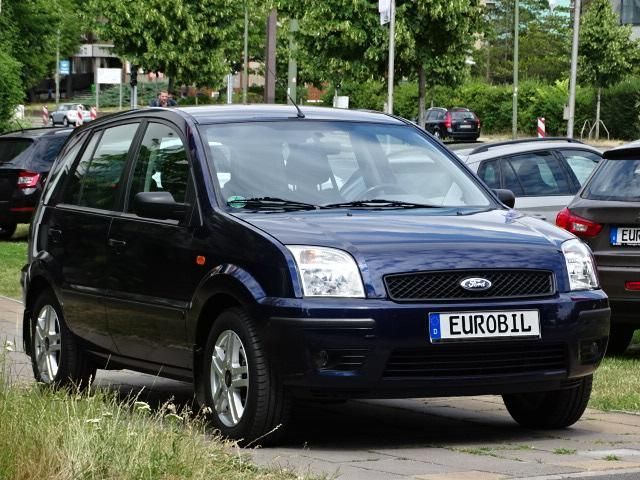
{"points": [[378, 349]]}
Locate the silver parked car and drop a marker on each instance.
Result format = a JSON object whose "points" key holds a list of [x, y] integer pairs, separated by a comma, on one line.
{"points": [[543, 173], [67, 114]]}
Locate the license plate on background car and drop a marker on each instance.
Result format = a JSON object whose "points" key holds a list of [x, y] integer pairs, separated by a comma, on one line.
{"points": [[625, 236], [477, 325], [466, 126]]}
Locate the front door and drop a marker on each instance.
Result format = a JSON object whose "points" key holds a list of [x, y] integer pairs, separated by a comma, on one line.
{"points": [[153, 270]]}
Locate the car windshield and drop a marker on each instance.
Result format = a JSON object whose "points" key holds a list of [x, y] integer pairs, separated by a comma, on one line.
{"points": [[10, 148], [334, 163], [615, 180]]}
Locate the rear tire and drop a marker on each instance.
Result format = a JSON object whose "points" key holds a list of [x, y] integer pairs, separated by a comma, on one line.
{"points": [[436, 133], [550, 410], [240, 385], [620, 338], [65, 122], [7, 230], [57, 357]]}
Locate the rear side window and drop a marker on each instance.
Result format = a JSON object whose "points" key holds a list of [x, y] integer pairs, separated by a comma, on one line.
{"points": [[96, 178], [581, 163], [10, 148], [458, 116], [489, 172], [616, 180], [540, 174]]}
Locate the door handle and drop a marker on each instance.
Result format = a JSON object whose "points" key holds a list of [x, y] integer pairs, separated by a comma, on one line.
{"points": [[540, 216], [116, 244]]}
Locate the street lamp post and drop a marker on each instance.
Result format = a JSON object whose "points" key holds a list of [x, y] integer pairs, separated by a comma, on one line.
{"points": [[514, 120], [574, 68], [57, 68]]}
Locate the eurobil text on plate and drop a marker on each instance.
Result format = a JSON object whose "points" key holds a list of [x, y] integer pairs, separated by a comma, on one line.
{"points": [[453, 326]]}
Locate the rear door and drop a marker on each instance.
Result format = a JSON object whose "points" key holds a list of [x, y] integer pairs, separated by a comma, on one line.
{"points": [[464, 122], [77, 229]]}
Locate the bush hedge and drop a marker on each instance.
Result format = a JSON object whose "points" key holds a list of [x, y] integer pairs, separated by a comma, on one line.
{"points": [[494, 105]]}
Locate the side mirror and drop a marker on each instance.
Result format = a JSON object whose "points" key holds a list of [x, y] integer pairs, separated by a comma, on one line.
{"points": [[159, 205], [505, 196]]}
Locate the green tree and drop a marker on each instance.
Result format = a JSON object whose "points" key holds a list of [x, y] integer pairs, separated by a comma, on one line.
{"points": [[30, 30], [342, 40], [192, 41], [11, 93], [607, 53], [544, 42]]}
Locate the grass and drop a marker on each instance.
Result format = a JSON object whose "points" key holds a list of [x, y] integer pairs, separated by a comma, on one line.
{"points": [[56, 435], [616, 384], [13, 255], [564, 451]]}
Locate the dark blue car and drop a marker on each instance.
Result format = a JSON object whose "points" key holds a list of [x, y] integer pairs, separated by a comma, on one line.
{"points": [[268, 253]]}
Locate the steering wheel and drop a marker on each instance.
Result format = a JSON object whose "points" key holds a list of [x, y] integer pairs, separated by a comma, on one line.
{"points": [[383, 187]]}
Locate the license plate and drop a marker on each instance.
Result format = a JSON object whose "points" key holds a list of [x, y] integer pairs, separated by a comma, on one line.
{"points": [[451, 326], [466, 126], [625, 236]]}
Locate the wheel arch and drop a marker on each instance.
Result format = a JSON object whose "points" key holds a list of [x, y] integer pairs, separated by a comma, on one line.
{"points": [[37, 285], [225, 287]]}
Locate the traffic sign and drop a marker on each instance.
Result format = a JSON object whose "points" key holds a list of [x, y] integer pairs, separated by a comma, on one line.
{"points": [[65, 67]]}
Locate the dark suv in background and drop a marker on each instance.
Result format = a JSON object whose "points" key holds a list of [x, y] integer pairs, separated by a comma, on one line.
{"points": [[26, 157], [455, 123]]}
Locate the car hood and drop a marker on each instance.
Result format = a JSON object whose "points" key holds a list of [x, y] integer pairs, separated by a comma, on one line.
{"points": [[396, 241]]}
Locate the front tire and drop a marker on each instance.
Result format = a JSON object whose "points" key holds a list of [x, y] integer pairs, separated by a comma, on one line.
{"points": [[242, 389], [57, 357], [7, 230], [550, 410], [65, 122]]}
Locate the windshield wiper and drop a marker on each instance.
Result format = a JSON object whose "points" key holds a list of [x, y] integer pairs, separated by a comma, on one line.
{"points": [[378, 203], [270, 204]]}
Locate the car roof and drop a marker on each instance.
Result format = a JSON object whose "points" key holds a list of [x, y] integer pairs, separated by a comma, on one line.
{"points": [[211, 114], [498, 149], [627, 151], [33, 133]]}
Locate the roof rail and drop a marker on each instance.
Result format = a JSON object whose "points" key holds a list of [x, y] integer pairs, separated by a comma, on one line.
{"points": [[32, 129], [487, 146]]}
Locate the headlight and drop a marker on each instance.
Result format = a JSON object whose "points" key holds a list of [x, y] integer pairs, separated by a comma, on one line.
{"points": [[327, 272], [580, 265]]}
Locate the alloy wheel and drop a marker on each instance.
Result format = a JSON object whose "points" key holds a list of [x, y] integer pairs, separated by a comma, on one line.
{"points": [[229, 378], [47, 343]]}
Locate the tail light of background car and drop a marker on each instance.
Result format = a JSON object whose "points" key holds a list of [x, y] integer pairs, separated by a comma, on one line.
{"points": [[447, 120], [577, 225], [27, 179]]}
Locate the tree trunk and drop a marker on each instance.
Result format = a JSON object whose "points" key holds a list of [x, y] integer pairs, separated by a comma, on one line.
{"points": [[598, 114], [421, 95]]}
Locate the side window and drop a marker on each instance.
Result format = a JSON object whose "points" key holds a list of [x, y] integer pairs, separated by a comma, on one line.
{"points": [[61, 168], [580, 163], [489, 172], [161, 165], [97, 176], [509, 178], [540, 174]]}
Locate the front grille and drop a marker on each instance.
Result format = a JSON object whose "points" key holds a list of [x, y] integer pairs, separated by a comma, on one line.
{"points": [[476, 360], [445, 285]]}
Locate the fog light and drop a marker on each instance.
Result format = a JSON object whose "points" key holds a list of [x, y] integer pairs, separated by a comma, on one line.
{"points": [[321, 359], [591, 351]]}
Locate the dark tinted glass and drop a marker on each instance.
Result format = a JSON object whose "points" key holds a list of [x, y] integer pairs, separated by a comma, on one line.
{"points": [[540, 174], [48, 148], [463, 116], [617, 180], [97, 177], [10, 148]]}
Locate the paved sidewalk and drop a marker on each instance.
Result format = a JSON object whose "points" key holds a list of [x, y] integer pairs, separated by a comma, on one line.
{"points": [[470, 438]]}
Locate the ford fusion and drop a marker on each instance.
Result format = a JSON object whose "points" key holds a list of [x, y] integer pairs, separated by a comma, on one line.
{"points": [[272, 253]]}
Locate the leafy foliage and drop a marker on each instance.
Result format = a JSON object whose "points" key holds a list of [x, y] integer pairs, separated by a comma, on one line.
{"points": [[192, 41], [607, 53], [11, 93], [29, 32], [544, 42]]}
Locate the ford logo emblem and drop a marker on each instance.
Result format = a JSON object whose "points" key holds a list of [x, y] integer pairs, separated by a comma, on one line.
{"points": [[476, 284]]}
